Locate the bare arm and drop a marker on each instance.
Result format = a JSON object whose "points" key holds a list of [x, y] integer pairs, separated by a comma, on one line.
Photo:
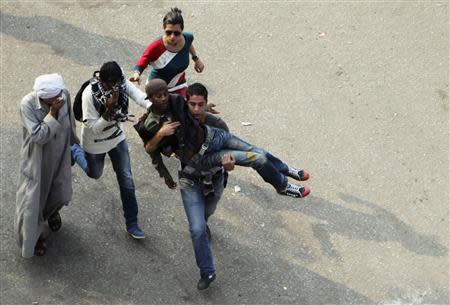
{"points": [[198, 66], [167, 129], [163, 172]]}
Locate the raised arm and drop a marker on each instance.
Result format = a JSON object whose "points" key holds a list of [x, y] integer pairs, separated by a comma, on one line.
{"points": [[41, 132], [138, 96], [91, 118], [149, 55]]}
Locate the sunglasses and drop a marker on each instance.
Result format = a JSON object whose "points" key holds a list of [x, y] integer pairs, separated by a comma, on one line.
{"points": [[169, 33]]}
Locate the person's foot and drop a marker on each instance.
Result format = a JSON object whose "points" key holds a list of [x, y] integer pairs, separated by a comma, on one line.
{"points": [[297, 174], [296, 191], [204, 282], [41, 247], [54, 222], [73, 149], [135, 232], [208, 232]]}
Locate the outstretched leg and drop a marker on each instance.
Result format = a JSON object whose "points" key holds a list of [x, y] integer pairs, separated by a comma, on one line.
{"points": [[269, 167], [91, 164]]}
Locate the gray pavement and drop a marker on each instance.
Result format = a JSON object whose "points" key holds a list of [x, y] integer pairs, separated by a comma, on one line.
{"points": [[364, 107]]}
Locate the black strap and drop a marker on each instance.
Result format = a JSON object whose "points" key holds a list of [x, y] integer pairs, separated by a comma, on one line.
{"points": [[116, 133]]}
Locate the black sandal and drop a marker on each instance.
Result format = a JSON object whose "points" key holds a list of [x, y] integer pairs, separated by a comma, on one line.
{"points": [[54, 222], [41, 247]]}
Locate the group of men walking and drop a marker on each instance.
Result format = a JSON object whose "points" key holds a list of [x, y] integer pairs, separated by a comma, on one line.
{"points": [[174, 124], [171, 125]]}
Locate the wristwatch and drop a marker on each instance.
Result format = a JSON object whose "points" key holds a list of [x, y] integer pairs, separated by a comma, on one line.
{"points": [[195, 58]]}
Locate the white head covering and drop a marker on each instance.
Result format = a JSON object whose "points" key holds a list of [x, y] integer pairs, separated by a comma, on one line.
{"points": [[48, 85]]}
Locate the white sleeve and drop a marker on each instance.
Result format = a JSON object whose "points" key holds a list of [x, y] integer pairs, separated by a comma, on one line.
{"points": [[137, 95], [91, 117]]}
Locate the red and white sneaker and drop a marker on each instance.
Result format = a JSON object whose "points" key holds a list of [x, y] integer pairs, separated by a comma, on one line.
{"points": [[297, 174], [296, 191]]}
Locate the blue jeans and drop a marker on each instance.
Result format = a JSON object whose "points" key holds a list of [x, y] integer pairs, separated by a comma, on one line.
{"points": [[92, 165], [199, 208], [269, 167]]}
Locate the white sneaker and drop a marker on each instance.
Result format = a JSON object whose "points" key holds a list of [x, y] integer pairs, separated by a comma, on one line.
{"points": [[296, 191], [297, 174]]}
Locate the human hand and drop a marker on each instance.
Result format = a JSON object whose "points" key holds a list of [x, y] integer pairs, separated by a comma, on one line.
{"points": [[143, 117], [228, 162], [209, 108], [168, 128], [135, 78], [170, 183], [199, 66], [56, 105], [111, 101]]}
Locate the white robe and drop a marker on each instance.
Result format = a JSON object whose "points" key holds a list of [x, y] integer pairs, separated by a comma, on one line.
{"points": [[45, 182]]}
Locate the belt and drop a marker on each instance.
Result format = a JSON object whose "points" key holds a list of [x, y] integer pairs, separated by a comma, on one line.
{"points": [[195, 175]]}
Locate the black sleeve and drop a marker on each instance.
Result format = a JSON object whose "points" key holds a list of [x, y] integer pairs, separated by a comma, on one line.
{"points": [[158, 163], [215, 121], [143, 133]]}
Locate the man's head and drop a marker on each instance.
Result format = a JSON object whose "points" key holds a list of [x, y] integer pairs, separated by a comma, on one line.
{"points": [[158, 94], [110, 75], [48, 87], [197, 98]]}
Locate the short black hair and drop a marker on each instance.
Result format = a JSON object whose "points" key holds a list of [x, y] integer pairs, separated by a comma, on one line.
{"points": [[111, 72], [197, 89], [154, 86], [174, 17]]}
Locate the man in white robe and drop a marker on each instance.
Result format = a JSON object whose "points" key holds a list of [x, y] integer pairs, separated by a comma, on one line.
{"points": [[45, 183]]}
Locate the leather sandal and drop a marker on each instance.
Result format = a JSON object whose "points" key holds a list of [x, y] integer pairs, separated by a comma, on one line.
{"points": [[41, 247], [54, 222]]}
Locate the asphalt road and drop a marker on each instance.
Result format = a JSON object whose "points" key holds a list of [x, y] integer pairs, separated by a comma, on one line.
{"points": [[354, 91]]}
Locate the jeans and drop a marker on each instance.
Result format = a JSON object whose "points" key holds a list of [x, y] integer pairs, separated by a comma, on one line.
{"points": [[92, 165], [199, 208], [269, 167]]}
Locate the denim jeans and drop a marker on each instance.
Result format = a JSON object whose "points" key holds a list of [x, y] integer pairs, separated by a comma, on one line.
{"points": [[199, 208], [92, 165], [269, 167]]}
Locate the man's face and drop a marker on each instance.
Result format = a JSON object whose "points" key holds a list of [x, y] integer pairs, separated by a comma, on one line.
{"points": [[160, 99], [197, 106]]}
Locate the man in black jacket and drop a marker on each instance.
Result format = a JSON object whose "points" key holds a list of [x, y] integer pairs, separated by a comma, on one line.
{"points": [[200, 145], [167, 127]]}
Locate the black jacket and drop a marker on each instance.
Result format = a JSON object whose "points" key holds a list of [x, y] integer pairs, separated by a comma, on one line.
{"points": [[186, 141]]}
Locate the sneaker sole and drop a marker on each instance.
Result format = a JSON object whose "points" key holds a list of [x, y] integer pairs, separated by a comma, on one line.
{"points": [[305, 193], [137, 237]]}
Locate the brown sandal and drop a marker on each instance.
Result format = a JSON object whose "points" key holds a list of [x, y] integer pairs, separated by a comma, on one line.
{"points": [[41, 247], [54, 222]]}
